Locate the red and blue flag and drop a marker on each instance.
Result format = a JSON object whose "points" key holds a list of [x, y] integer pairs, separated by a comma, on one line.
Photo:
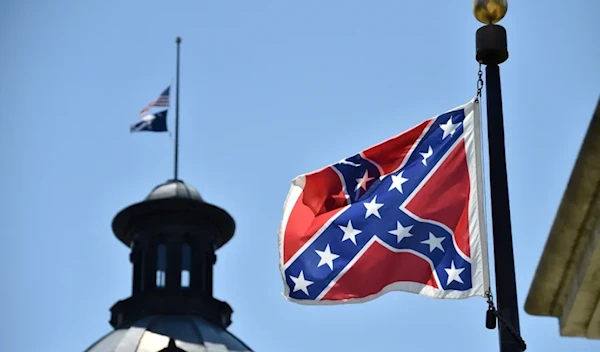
{"points": [[404, 215], [162, 100]]}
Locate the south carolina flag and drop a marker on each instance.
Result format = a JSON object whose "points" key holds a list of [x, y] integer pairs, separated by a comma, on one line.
{"points": [[151, 123]]}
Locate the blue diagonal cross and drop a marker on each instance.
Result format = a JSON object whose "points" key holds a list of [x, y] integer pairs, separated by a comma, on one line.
{"points": [[352, 170]]}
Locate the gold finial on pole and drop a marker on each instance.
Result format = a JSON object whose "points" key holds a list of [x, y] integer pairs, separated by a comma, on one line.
{"points": [[489, 11]]}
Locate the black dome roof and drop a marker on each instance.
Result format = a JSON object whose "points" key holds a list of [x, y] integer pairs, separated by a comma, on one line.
{"points": [[174, 189], [156, 333], [171, 197]]}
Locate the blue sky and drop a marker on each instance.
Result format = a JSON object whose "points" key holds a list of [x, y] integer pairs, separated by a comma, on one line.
{"points": [[269, 90]]}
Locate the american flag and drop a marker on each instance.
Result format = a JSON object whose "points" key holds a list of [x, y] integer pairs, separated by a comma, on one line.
{"points": [[404, 215], [162, 100]]}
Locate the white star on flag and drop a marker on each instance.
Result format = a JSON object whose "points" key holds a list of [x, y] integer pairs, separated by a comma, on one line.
{"points": [[449, 128], [454, 274], [362, 182], [349, 232], [401, 232], [398, 181], [434, 242], [426, 155], [301, 284], [373, 208], [326, 257]]}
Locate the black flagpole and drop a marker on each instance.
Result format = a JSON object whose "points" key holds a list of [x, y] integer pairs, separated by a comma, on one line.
{"points": [[176, 166], [492, 51]]}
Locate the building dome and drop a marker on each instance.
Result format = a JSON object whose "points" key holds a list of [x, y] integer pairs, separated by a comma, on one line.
{"points": [[158, 333], [175, 196], [174, 189], [173, 235]]}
